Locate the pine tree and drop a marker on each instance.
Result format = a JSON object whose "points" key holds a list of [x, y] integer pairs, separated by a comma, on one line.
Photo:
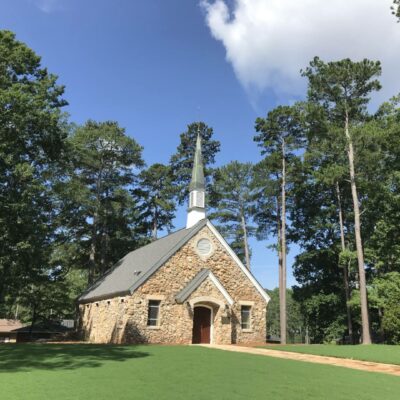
{"points": [[343, 88], [182, 161], [232, 201], [280, 135], [154, 196], [97, 210]]}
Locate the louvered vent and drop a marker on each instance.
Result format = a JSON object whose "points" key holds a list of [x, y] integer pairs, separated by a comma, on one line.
{"points": [[196, 199], [204, 247]]}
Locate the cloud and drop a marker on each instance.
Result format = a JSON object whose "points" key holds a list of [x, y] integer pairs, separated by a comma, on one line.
{"points": [[269, 41], [48, 6]]}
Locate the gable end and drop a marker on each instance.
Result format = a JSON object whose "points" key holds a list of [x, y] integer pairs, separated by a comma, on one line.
{"points": [[246, 272]]}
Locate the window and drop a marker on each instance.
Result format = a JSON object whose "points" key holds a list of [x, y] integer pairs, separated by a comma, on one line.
{"points": [[153, 318], [245, 316]]}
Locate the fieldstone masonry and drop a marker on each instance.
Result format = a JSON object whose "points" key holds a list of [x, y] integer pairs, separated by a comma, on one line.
{"points": [[124, 319]]}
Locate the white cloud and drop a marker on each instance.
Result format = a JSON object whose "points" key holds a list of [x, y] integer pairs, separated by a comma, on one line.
{"points": [[269, 41], [48, 6]]}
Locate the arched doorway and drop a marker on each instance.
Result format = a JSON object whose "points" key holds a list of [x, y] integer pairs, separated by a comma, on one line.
{"points": [[202, 320]]}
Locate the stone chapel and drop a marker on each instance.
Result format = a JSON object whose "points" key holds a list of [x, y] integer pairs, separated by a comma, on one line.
{"points": [[187, 287]]}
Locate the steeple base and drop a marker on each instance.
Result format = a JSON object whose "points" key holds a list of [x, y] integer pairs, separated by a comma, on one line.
{"points": [[194, 216]]}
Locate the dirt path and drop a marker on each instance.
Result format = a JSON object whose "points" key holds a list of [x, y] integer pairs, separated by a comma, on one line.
{"points": [[339, 362]]}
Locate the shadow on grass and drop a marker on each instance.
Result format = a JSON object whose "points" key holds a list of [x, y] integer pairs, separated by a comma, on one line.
{"points": [[26, 357]]}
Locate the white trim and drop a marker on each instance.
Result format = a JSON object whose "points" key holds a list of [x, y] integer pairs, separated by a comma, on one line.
{"points": [[206, 299], [155, 297], [219, 286], [246, 303], [211, 320], [238, 262]]}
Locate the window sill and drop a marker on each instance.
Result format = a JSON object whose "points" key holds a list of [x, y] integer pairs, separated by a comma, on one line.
{"points": [[247, 330], [153, 327]]}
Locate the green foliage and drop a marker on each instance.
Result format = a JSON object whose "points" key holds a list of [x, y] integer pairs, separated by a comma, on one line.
{"points": [[385, 296], [320, 293], [182, 161], [282, 125], [96, 209], [339, 128], [342, 87], [232, 201], [73, 200], [32, 140], [296, 327], [280, 136], [396, 8], [154, 194]]}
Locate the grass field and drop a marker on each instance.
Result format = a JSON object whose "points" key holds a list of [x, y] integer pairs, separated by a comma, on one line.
{"points": [[93, 372], [375, 352]]}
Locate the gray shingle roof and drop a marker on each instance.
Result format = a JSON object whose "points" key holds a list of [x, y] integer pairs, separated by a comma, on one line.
{"points": [[137, 266], [192, 285]]}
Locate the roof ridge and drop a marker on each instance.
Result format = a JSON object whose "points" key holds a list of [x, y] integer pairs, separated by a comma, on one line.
{"points": [[170, 249], [191, 231]]}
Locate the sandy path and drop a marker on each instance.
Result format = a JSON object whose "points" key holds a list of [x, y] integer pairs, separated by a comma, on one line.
{"points": [[339, 362]]}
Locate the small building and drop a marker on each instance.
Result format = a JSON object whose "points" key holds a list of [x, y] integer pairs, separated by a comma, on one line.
{"points": [[43, 331], [187, 287], [8, 327]]}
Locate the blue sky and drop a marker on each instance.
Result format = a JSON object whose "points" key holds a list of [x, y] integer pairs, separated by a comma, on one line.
{"points": [[157, 65]]}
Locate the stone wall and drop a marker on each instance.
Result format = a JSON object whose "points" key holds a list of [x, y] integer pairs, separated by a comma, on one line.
{"points": [[124, 319]]}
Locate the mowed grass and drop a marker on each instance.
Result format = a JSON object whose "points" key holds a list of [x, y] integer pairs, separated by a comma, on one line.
{"points": [[375, 352], [93, 372]]}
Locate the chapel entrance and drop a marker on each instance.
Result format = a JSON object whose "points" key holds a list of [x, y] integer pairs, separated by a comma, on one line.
{"points": [[201, 325]]}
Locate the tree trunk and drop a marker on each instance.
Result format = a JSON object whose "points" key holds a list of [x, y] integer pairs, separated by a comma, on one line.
{"points": [[92, 255], [104, 252], [279, 231], [33, 320], [282, 288], [366, 336], [344, 266], [155, 227], [94, 241], [245, 241]]}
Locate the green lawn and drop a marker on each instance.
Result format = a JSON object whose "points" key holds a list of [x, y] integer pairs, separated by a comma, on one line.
{"points": [[93, 372], [375, 352]]}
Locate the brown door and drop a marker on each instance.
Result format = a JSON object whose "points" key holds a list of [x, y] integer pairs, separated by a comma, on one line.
{"points": [[201, 325]]}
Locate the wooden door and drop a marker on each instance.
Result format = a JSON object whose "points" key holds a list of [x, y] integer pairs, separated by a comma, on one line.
{"points": [[201, 325]]}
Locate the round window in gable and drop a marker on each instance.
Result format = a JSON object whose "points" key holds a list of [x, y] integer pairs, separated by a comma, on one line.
{"points": [[204, 247]]}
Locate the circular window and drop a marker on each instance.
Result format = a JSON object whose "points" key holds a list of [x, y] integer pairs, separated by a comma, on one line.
{"points": [[204, 247]]}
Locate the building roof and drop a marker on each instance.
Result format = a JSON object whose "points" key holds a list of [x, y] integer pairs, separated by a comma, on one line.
{"points": [[137, 266], [9, 325], [197, 182], [43, 327], [192, 285], [197, 281]]}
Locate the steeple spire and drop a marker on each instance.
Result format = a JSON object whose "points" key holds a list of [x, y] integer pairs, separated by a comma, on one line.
{"points": [[196, 211], [197, 182]]}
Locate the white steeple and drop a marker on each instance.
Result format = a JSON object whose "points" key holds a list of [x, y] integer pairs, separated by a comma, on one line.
{"points": [[197, 210]]}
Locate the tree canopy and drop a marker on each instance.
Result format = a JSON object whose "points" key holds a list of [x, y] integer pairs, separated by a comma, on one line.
{"points": [[74, 199]]}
